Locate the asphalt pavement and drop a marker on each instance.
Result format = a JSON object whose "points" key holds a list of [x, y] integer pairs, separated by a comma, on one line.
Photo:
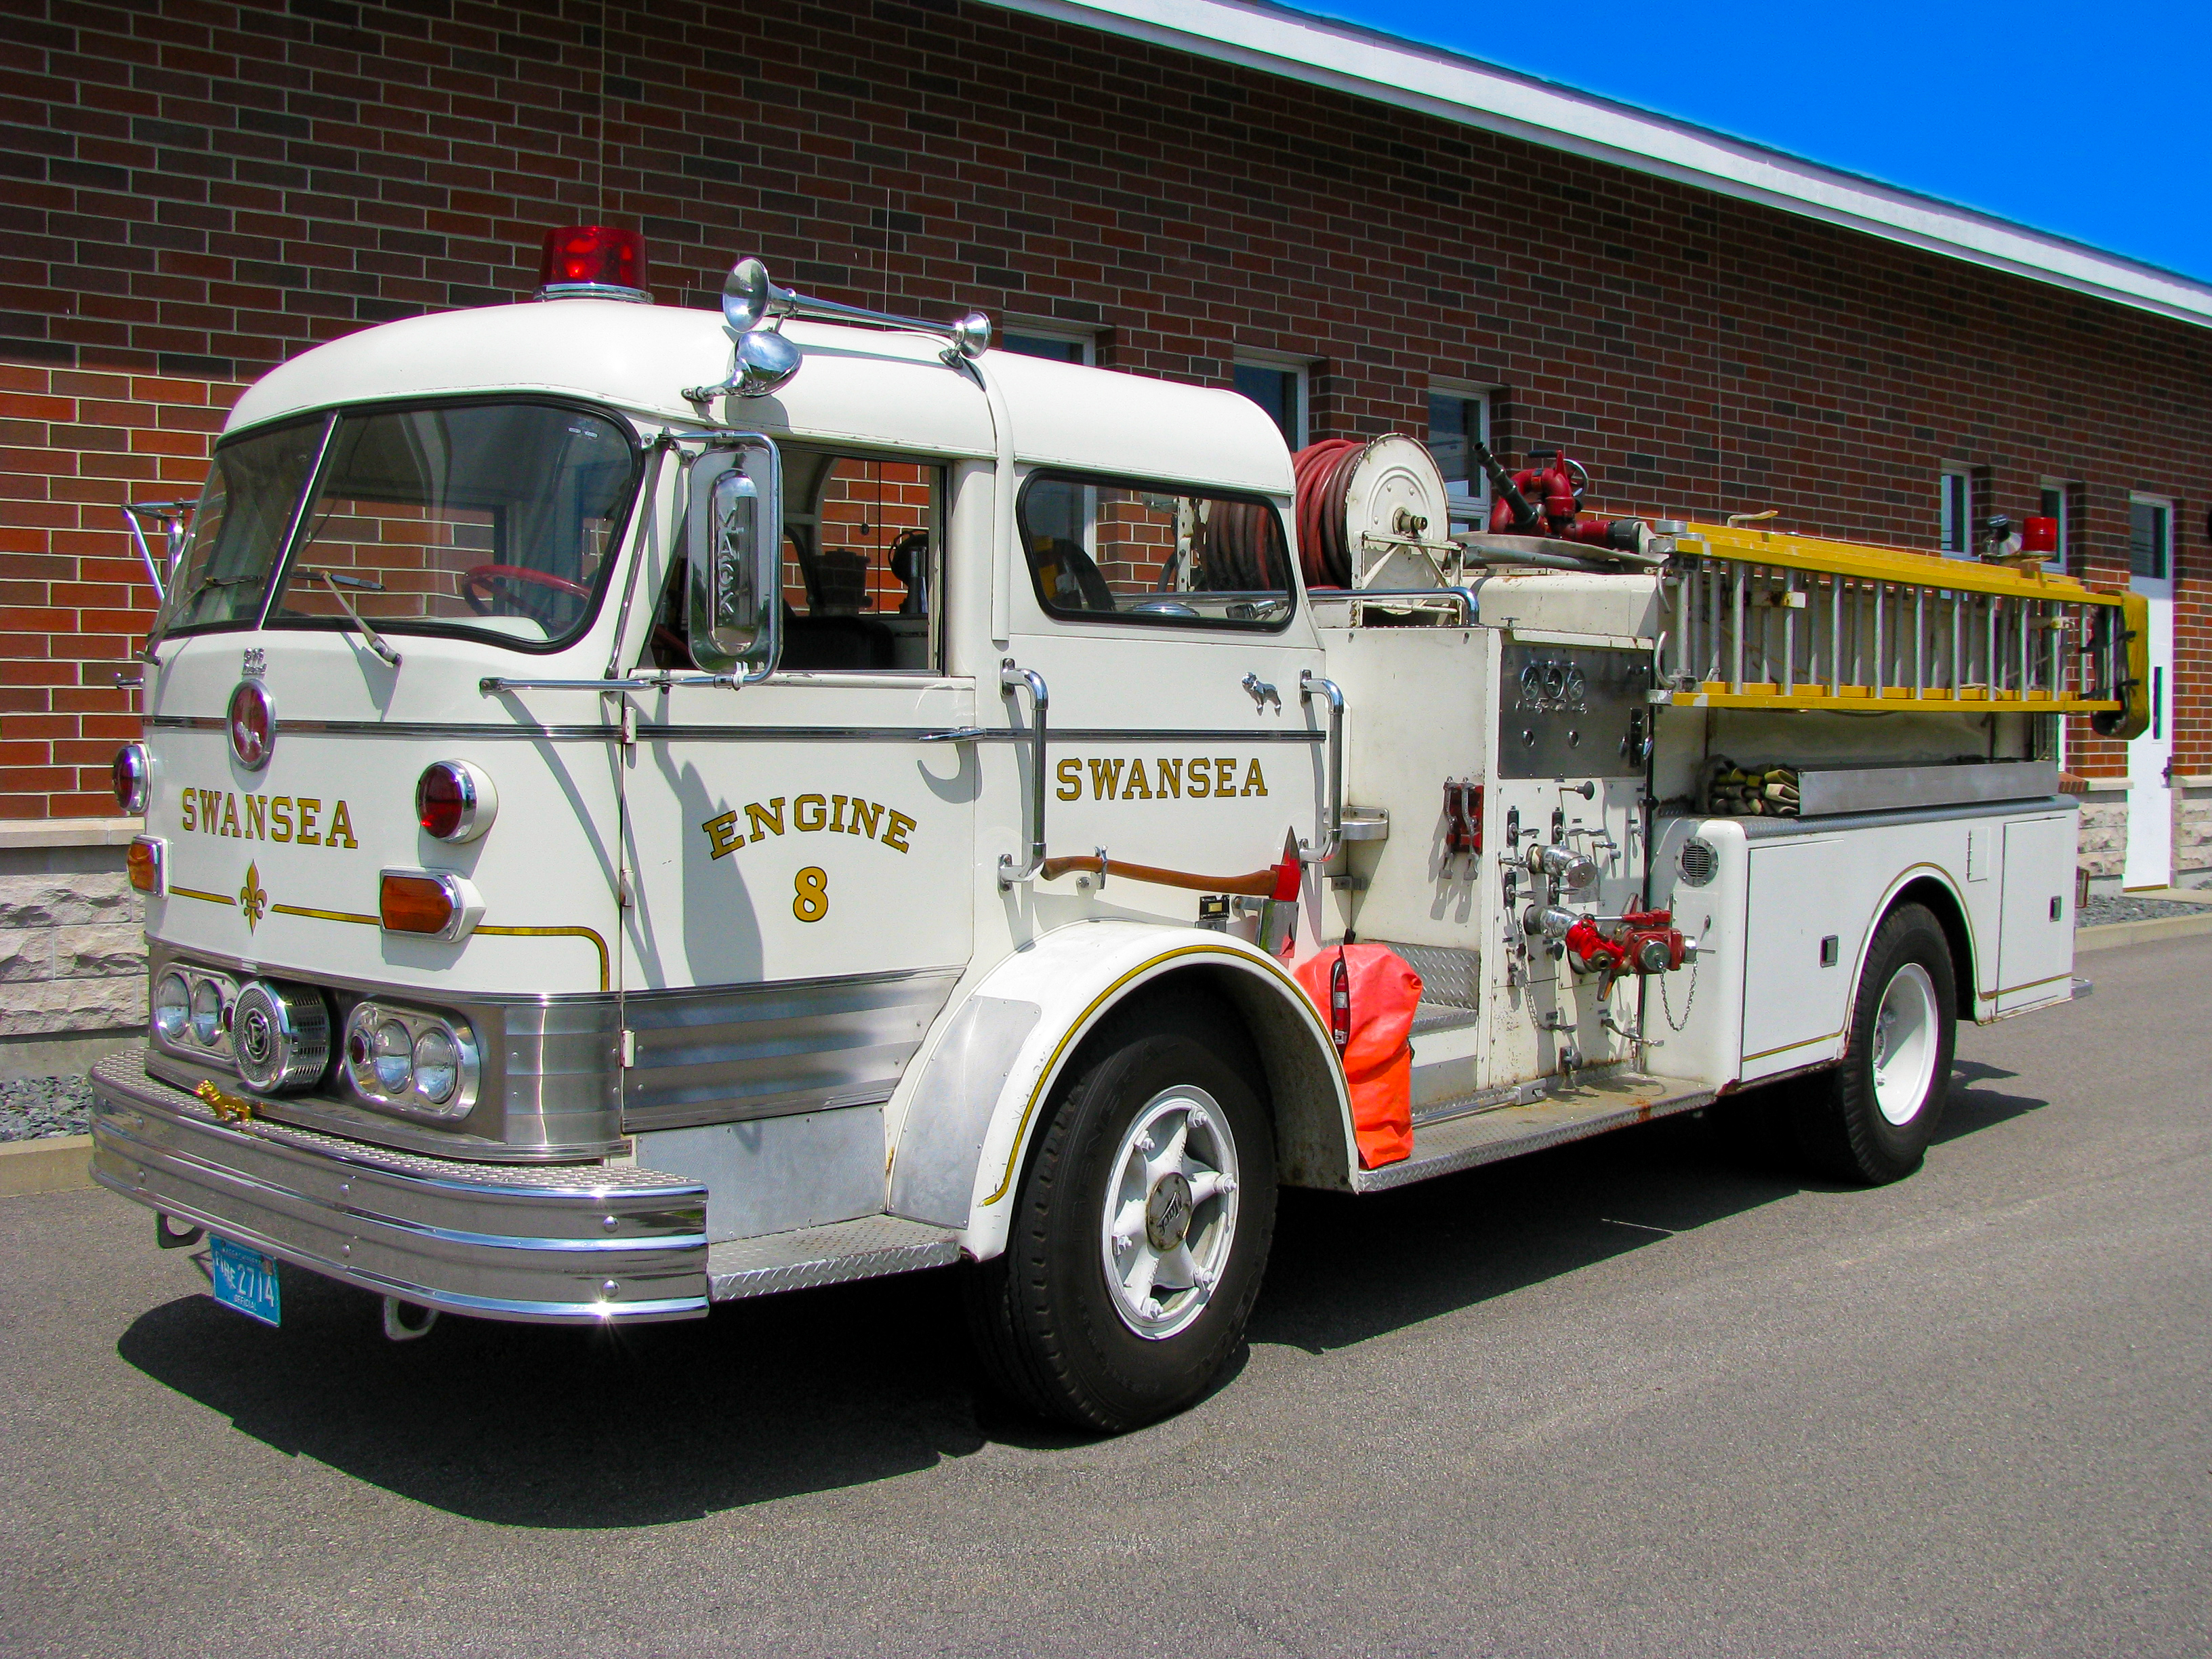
{"points": [[1631, 1397]]}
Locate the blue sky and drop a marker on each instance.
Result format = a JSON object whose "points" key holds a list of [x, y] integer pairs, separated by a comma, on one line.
{"points": [[2094, 122]]}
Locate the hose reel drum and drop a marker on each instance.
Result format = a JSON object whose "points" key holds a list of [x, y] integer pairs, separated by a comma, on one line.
{"points": [[1370, 513]]}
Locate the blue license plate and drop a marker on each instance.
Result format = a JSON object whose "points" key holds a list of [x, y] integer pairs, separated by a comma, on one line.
{"points": [[244, 1279]]}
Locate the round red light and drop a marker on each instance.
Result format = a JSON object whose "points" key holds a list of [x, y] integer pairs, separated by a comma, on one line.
{"points": [[252, 721], [454, 800], [443, 800], [130, 774]]}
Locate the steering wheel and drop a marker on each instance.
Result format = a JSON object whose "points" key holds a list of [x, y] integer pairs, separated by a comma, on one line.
{"points": [[478, 588]]}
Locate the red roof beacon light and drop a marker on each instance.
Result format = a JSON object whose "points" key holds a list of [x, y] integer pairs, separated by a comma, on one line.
{"points": [[594, 262], [2039, 535]]}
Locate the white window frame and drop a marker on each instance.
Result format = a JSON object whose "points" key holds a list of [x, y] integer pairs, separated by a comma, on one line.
{"points": [[1086, 340], [1954, 523], [1301, 371], [1474, 506]]}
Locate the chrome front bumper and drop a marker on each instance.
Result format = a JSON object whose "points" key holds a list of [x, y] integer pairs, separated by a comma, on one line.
{"points": [[565, 1244]]}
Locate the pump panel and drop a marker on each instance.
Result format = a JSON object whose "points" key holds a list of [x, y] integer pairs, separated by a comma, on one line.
{"points": [[1572, 711]]}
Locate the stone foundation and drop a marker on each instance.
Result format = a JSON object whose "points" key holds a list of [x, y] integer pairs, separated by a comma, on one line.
{"points": [[72, 944], [2104, 832], [2192, 832]]}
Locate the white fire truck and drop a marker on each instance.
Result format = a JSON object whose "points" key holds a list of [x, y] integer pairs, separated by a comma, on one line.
{"points": [[646, 808]]}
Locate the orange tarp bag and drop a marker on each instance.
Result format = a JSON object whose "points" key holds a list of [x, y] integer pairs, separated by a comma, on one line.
{"points": [[1367, 996]]}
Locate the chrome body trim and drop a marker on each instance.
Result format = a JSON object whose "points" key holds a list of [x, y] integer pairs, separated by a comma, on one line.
{"points": [[647, 732], [546, 1089], [577, 1244], [729, 1053]]}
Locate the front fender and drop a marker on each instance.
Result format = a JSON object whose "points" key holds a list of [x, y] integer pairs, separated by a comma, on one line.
{"points": [[978, 1097]]}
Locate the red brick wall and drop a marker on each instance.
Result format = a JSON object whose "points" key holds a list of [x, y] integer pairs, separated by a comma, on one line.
{"points": [[74, 599], [195, 189]]}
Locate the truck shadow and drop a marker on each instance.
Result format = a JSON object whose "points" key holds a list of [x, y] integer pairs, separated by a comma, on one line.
{"points": [[523, 1426]]}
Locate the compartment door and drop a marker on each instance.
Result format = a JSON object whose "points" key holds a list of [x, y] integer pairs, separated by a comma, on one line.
{"points": [[1796, 981], [2035, 932]]}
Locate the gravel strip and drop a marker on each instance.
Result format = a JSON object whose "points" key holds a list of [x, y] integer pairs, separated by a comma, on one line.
{"points": [[2101, 912], [33, 1107]]}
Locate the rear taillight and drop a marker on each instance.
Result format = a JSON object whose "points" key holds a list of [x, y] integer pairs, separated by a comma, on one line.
{"points": [[436, 902], [133, 773], [455, 801]]}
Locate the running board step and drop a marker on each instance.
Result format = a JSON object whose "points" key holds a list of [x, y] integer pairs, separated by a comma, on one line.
{"points": [[871, 1248], [1596, 1103]]}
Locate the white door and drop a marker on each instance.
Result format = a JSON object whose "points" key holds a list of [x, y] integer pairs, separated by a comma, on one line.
{"points": [[2150, 756]]}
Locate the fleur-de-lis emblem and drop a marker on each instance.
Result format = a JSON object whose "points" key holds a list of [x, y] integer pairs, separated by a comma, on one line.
{"points": [[252, 898]]}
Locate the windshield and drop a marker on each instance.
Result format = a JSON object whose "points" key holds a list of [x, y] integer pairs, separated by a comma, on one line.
{"points": [[239, 528], [498, 520]]}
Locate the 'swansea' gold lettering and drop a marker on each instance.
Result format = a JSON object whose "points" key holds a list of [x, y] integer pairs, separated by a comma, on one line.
{"points": [[265, 818]]}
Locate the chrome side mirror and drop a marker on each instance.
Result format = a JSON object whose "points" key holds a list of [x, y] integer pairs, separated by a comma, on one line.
{"points": [[733, 551]]}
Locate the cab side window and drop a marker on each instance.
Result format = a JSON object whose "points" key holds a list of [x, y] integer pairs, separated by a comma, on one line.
{"points": [[863, 556], [1161, 555], [861, 552]]}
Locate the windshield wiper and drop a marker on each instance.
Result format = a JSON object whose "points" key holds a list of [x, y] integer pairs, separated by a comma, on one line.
{"points": [[337, 584]]}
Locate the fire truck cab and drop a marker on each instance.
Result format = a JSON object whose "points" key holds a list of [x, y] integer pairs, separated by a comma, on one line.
{"points": [[646, 808]]}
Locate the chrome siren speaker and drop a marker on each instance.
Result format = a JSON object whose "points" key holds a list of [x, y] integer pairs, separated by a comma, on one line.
{"points": [[281, 1035]]}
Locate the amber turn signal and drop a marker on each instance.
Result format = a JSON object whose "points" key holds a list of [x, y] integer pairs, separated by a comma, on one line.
{"points": [[146, 864], [416, 904]]}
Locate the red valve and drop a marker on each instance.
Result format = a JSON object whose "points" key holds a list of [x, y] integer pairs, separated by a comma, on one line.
{"points": [[1643, 942]]}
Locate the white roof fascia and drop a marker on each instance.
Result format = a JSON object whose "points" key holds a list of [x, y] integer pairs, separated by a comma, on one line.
{"points": [[1347, 58]]}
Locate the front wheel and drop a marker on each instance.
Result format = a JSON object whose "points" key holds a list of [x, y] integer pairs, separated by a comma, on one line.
{"points": [[1871, 1118], [1142, 1223]]}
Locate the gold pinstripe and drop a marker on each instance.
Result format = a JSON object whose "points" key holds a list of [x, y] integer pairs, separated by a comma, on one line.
{"points": [[1014, 1152]]}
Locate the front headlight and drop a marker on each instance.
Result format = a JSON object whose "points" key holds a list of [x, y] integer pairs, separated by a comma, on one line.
{"points": [[411, 1061], [437, 1066], [207, 1013], [173, 1006], [392, 1056]]}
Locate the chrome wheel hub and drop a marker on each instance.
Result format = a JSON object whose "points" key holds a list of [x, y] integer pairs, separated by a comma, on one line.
{"points": [[1170, 1212]]}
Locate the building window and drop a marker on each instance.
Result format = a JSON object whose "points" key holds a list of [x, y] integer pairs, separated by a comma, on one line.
{"points": [[1955, 513], [2150, 538], [1282, 393], [1455, 417], [2058, 502], [1028, 340]]}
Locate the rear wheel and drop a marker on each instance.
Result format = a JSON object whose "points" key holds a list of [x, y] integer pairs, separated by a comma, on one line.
{"points": [[1872, 1117], [1141, 1225]]}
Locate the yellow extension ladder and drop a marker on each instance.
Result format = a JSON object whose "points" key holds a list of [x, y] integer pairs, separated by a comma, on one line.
{"points": [[1756, 619]]}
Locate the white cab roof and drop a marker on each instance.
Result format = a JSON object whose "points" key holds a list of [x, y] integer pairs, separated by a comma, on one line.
{"points": [[877, 388]]}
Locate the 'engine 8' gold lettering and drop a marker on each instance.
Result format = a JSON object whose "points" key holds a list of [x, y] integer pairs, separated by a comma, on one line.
{"points": [[809, 814]]}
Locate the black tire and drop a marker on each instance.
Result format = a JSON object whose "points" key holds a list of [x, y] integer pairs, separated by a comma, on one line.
{"points": [[1842, 1129], [1048, 1326]]}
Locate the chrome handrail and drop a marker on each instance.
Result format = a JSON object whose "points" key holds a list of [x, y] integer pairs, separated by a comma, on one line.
{"points": [[1011, 680], [1312, 685], [1470, 607]]}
